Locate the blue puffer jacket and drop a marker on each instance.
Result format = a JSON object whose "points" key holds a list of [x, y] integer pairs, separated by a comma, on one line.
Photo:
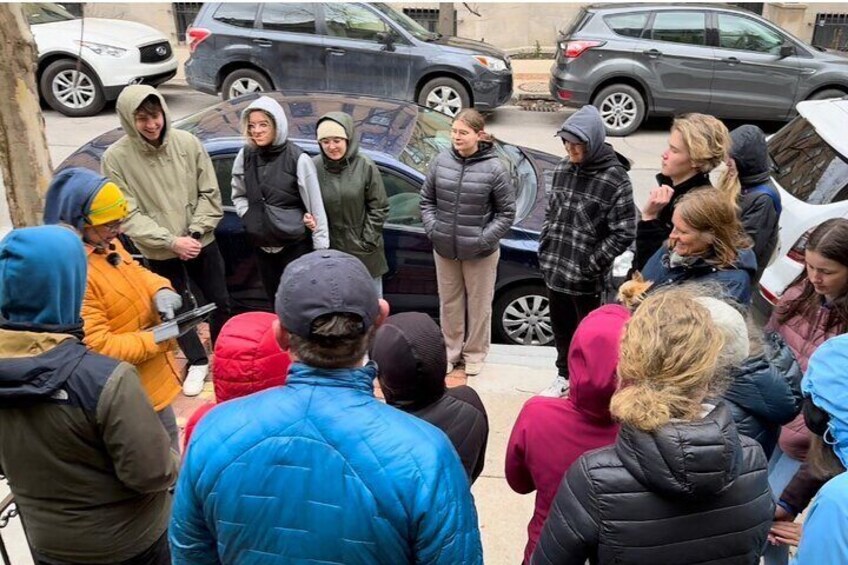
{"points": [[765, 393], [320, 471], [736, 280]]}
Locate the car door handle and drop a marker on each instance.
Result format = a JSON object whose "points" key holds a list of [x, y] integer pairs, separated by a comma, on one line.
{"points": [[335, 51], [731, 61], [262, 42], [653, 53]]}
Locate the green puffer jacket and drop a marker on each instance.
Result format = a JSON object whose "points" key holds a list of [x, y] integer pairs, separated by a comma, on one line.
{"points": [[354, 200]]}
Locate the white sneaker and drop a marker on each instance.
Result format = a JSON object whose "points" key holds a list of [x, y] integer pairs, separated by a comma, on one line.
{"points": [[473, 369], [196, 376], [558, 388]]}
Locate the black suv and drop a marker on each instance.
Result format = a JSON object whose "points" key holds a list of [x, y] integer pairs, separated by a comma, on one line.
{"points": [[635, 60], [354, 48]]}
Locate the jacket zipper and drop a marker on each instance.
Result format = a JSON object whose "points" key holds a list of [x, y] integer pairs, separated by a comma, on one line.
{"points": [[456, 211]]}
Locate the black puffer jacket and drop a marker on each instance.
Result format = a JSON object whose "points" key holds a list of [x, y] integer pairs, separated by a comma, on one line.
{"points": [[757, 210], [691, 492], [467, 203], [765, 393]]}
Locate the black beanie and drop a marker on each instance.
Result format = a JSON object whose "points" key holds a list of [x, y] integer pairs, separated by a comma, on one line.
{"points": [[410, 354]]}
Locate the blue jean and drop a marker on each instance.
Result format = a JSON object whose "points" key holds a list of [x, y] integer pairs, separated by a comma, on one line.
{"points": [[781, 469]]}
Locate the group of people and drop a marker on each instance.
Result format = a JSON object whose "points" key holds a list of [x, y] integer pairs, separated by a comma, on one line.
{"points": [[676, 431]]}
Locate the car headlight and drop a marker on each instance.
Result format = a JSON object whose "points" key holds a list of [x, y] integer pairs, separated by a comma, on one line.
{"points": [[491, 63], [102, 49]]}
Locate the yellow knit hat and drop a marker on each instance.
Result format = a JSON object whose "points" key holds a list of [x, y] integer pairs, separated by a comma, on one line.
{"points": [[107, 206]]}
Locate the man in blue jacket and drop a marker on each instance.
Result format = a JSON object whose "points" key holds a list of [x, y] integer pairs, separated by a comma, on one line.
{"points": [[319, 470]]}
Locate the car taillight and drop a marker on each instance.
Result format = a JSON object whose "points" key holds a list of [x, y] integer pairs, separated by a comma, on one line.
{"points": [[573, 49], [797, 251], [768, 295], [196, 36]]}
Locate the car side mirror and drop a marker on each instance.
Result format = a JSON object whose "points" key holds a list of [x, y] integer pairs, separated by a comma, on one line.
{"points": [[787, 50], [387, 38]]}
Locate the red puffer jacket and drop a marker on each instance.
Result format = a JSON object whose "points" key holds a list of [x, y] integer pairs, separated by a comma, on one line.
{"points": [[248, 359]]}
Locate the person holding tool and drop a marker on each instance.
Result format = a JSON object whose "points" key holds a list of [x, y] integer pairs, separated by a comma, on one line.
{"points": [[122, 298], [174, 206]]}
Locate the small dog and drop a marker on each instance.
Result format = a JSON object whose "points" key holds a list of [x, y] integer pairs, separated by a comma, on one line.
{"points": [[632, 292]]}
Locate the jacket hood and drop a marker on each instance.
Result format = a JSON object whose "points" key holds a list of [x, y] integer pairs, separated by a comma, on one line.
{"points": [[247, 356], [70, 195], [346, 121], [593, 360], [750, 153], [42, 276], [758, 387], [273, 109], [128, 102], [410, 352], [695, 460], [826, 385], [587, 124], [34, 364]]}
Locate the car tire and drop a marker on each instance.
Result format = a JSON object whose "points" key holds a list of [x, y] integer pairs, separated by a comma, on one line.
{"points": [[827, 93], [622, 108], [444, 95], [521, 316], [244, 81], [74, 93]]}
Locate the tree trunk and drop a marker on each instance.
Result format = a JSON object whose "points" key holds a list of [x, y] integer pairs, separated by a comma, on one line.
{"points": [[25, 169], [447, 17]]}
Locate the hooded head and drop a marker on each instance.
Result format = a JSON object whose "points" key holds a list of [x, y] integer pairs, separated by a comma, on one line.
{"points": [[338, 125], [274, 112], [593, 360], [749, 152], [128, 104], [410, 352], [587, 127], [825, 383], [42, 276], [248, 358], [81, 198]]}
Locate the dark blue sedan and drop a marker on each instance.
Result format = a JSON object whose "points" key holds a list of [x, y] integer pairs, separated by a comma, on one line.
{"points": [[402, 138]]}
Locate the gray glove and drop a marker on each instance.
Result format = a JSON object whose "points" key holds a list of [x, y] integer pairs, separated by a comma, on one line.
{"points": [[167, 302]]}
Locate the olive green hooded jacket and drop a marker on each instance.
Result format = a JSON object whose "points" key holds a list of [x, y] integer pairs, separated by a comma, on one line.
{"points": [[354, 200]]}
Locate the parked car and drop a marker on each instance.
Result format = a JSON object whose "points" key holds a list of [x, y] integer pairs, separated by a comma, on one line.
{"points": [[810, 156], [357, 48], [402, 138], [84, 64], [636, 60]]}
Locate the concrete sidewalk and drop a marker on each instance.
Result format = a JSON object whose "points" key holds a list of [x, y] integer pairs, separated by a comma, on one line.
{"points": [[529, 76]]}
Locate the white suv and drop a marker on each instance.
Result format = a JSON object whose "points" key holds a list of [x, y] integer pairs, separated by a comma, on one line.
{"points": [[82, 64], [810, 156]]}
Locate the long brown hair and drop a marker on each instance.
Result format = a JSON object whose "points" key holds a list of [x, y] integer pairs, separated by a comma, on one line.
{"points": [[710, 212], [830, 240]]}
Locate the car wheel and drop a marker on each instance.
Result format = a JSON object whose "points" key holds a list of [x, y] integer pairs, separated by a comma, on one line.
{"points": [[522, 316], [244, 81], [827, 93], [71, 91], [445, 95], [622, 108]]}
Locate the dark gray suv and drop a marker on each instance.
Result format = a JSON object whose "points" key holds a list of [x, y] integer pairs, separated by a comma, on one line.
{"points": [[635, 60], [354, 48]]}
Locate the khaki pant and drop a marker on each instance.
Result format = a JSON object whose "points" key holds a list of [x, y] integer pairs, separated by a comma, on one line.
{"points": [[466, 288]]}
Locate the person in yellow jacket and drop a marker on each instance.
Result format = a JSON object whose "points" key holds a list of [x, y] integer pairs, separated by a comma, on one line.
{"points": [[122, 298]]}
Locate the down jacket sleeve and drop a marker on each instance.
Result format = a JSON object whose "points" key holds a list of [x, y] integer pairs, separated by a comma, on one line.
{"points": [[192, 542], [503, 199], [428, 199], [517, 473], [571, 532]]}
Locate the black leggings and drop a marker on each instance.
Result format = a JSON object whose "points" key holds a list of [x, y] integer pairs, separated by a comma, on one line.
{"points": [[566, 312], [272, 265]]}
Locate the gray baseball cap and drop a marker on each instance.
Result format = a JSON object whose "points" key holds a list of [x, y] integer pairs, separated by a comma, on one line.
{"points": [[325, 282]]}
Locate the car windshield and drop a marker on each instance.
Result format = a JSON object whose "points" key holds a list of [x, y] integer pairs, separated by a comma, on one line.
{"points": [[807, 167], [431, 136], [406, 22], [42, 13]]}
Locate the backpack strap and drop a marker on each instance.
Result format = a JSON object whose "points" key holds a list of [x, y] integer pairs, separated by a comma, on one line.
{"points": [[769, 191]]}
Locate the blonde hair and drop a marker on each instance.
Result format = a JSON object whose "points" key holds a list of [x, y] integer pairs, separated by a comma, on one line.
{"points": [[707, 139], [730, 185], [709, 212], [669, 361], [246, 121]]}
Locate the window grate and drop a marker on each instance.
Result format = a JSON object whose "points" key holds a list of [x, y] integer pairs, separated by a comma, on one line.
{"points": [[184, 14]]}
